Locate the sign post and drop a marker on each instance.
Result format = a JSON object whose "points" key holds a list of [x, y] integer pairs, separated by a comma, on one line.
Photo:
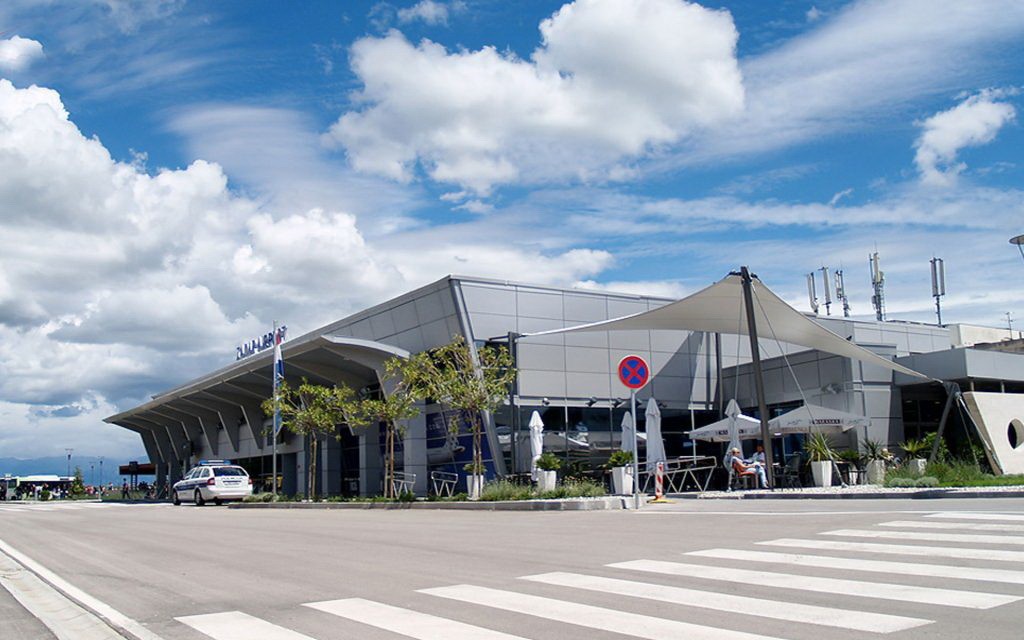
{"points": [[634, 373]]}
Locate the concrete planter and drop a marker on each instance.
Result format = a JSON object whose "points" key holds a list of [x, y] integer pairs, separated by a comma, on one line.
{"points": [[546, 480], [876, 471], [474, 486], [822, 472], [917, 465], [622, 480]]}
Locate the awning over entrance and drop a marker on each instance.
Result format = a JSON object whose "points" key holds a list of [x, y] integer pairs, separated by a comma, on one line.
{"points": [[720, 309]]}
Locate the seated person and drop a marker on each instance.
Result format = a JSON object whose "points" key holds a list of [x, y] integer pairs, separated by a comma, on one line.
{"points": [[741, 468], [758, 456]]}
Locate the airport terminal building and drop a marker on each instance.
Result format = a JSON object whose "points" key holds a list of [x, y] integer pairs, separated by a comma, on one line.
{"points": [[571, 381]]}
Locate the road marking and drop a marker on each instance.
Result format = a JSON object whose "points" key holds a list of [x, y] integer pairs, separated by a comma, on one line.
{"points": [[927, 536], [832, 586], [102, 609], [407, 622], [977, 515], [971, 526], [235, 625], [58, 613], [583, 615], [879, 566], [900, 549], [791, 611]]}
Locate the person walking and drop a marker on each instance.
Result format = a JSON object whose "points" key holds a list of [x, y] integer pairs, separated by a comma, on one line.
{"points": [[124, 491]]}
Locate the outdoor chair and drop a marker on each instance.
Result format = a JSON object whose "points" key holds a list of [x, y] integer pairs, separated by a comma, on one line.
{"points": [[742, 481], [789, 478]]}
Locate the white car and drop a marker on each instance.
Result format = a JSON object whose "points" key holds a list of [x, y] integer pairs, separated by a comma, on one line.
{"points": [[216, 480]]}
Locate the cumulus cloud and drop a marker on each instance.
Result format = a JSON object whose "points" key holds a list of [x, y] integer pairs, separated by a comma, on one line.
{"points": [[16, 53], [430, 12], [609, 80], [973, 122]]}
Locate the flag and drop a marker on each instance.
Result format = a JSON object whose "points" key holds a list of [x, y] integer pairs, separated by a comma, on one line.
{"points": [[278, 376]]}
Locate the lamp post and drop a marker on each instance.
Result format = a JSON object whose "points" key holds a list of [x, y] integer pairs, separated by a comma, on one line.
{"points": [[101, 471], [69, 452]]}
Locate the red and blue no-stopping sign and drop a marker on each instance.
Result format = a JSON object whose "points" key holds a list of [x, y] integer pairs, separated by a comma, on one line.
{"points": [[634, 372]]}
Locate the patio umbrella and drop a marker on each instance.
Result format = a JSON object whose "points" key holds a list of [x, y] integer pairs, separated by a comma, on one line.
{"points": [[655, 445], [536, 442], [732, 413], [729, 430], [811, 417], [627, 432]]}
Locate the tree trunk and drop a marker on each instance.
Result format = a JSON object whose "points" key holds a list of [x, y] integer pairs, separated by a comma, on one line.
{"points": [[389, 463], [312, 467], [478, 454]]}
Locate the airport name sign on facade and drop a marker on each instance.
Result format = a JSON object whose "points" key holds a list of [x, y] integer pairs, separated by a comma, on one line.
{"points": [[256, 345]]}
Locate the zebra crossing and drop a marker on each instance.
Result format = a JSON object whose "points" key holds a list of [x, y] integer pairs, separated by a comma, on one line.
{"points": [[15, 507], [922, 592]]}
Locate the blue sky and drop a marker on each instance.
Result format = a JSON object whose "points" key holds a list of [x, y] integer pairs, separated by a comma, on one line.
{"points": [[175, 175]]}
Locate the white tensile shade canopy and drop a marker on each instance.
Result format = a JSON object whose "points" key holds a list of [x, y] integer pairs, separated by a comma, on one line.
{"points": [[720, 309], [811, 417], [536, 442], [655, 444]]}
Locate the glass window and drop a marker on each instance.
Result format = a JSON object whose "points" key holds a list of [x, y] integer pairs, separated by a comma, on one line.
{"points": [[229, 471]]}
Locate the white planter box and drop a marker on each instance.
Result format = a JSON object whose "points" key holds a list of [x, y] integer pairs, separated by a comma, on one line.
{"points": [[546, 480], [622, 480], [876, 471], [822, 472], [474, 486], [917, 465]]}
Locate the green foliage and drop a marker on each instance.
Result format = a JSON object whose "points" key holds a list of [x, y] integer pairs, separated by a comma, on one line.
{"points": [[915, 448], [549, 462], [77, 484], [312, 411], [954, 474], [473, 468], [264, 497], [849, 455], [501, 490], [929, 442], [451, 376], [819, 448], [621, 459], [576, 489], [44, 494], [924, 482], [873, 450]]}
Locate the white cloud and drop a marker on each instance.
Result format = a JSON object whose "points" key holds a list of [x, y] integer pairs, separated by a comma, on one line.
{"points": [[16, 53], [430, 12], [973, 122], [610, 80]]}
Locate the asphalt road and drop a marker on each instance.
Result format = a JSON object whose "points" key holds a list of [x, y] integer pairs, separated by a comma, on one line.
{"points": [[159, 563]]}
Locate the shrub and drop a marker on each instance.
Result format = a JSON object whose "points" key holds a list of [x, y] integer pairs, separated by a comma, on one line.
{"points": [[621, 459], [44, 494], [549, 462], [900, 483], [915, 448], [576, 489], [927, 482], [501, 490], [819, 448]]}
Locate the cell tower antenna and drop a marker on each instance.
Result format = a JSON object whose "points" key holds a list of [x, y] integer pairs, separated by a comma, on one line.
{"points": [[938, 285], [841, 292], [812, 296], [827, 290], [878, 285]]}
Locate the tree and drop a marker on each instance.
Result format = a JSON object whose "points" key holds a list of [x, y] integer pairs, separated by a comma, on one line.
{"points": [[401, 388], [77, 487], [452, 377], [312, 411]]}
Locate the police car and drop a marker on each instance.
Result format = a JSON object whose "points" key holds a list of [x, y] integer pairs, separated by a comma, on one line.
{"points": [[216, 480]]}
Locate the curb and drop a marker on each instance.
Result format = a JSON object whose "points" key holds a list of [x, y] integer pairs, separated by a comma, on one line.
{"points": [[924, 494], [592, 504]]}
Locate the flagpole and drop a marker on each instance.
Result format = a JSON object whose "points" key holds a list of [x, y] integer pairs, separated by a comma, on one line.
{"points": [[277, 412]]}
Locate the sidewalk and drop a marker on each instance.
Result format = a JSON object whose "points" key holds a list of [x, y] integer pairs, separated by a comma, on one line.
{"points": [[856, 492]]}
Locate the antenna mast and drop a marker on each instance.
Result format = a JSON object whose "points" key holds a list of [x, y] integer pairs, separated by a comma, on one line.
{"points": [[938, 285], [828, 293], [878, 285], [811, 295], [841, 292]]}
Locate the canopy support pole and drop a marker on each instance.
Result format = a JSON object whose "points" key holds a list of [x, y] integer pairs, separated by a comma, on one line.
{"points": [[953, 391], [755, 356]]}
